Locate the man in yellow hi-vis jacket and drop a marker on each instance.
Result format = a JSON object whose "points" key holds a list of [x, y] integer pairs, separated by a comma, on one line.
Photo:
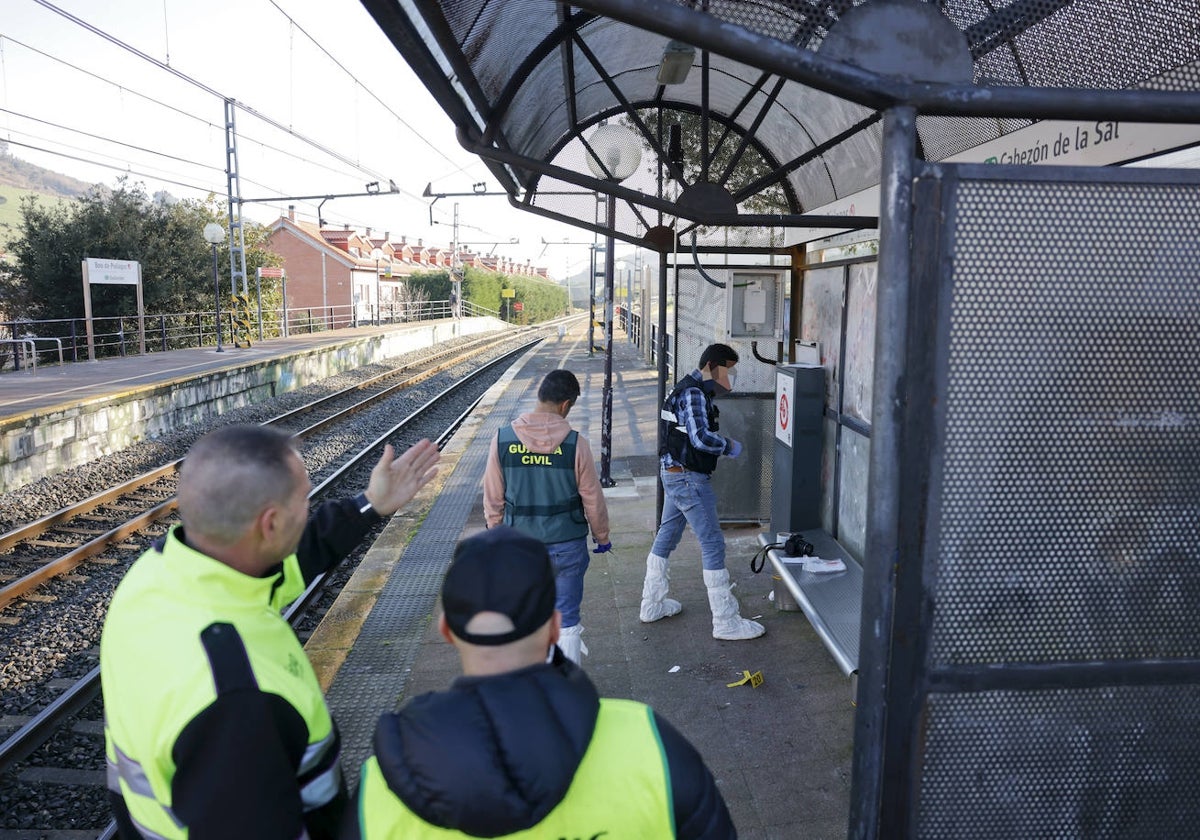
{"points": [[521, 744], [215, 725]]}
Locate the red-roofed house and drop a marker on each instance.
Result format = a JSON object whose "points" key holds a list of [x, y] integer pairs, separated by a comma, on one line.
{"points": [[332, 273]]}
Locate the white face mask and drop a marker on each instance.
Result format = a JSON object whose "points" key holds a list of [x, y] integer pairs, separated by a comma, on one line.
{"points": [[732, 379]]}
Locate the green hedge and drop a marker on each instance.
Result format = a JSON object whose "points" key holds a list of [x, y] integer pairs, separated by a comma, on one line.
{"points": [[542, 299]]}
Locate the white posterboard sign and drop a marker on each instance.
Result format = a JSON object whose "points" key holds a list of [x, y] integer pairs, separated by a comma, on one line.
{"points": [[117, 272], [126, 272], [785, 407], [1060, 142]]}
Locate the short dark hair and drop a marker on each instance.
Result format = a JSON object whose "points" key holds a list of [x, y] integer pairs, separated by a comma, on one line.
{"points": [[718, 354], [558, 386], [230, 475]]}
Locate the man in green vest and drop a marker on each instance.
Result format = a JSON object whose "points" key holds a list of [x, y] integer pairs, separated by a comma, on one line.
{"points": [[522, 742], [541, 479], [215, 724]]}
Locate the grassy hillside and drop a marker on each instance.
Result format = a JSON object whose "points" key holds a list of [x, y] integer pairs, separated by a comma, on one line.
{"points": [[19, 178], [10, 210]]}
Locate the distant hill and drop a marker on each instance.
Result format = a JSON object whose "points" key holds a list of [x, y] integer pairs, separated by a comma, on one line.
{"points": [[19, 178], [15, 172]]}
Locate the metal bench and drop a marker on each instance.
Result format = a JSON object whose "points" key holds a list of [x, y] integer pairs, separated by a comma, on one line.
{"points": [[832, 601]]}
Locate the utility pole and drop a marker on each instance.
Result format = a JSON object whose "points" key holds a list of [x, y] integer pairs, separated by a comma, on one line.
{"points": [[456, 271]]}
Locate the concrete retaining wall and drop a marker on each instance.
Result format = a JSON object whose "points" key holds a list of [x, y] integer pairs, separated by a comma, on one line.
{"points": [[46, 442]]}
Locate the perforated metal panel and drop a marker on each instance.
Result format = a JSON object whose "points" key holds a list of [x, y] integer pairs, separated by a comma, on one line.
{"points": [[1070, 479], [1116, 762], [1053, 584]]}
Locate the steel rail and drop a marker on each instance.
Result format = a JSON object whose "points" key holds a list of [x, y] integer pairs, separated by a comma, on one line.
{"points": [[33, 734], [34, 529], [65, 563]]}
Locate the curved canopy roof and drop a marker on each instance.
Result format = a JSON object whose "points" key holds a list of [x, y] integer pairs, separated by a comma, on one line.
{"points": [[779, 115]]}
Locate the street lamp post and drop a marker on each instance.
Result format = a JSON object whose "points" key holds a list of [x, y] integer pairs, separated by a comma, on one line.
{"points": [[214, 235], [621, 273], [592, 302], [614, 155], [378, 255]]}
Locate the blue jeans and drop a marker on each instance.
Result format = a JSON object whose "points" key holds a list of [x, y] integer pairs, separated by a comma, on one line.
{"points": [[689, 499], [570, 561]]}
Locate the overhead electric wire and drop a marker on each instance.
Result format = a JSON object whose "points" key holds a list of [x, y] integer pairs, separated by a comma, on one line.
{"points": [[382, 104], [115, 161], [108, 140], [245, 138], [125, 167], [112, 39], [97, 76], [181, 181], [109, 166]]}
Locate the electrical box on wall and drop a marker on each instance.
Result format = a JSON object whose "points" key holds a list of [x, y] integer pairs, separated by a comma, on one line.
{"points": [[752, 304]]}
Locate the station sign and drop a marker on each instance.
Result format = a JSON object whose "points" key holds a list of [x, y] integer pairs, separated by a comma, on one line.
{"points": [[124, 272], [116, 272], [1048, 142]]}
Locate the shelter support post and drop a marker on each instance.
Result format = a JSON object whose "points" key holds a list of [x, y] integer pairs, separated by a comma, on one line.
{"points": [[882, 549], [661, 359], [606, 479], [592, 303]]}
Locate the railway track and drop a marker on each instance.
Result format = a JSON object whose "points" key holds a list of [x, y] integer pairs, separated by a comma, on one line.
{"points": [[55, 544], [68, 728]]}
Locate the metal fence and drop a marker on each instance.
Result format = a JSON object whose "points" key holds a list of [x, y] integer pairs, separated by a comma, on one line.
{"points": [[24, 344]]}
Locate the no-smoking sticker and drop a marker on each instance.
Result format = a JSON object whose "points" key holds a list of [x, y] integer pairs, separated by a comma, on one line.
{"points": [[784, 390]]}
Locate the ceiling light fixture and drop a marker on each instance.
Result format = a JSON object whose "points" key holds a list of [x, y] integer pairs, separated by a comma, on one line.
{"points": [[676, 62]]}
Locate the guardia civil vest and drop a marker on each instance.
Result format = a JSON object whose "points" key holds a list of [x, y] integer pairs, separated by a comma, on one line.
{"points": [[176, 613], [621, 789], [541, 496], [675, 437]]}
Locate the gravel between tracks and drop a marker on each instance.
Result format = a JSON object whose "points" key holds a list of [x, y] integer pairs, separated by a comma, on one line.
{"points": [[57, 641]]}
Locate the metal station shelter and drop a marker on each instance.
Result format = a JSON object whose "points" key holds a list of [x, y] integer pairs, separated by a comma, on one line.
{"points": [[1011, 414]]}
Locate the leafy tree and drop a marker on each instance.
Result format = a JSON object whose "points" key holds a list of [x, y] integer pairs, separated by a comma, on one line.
{"points": [[165, 237], [435, 285], [749, 167]]}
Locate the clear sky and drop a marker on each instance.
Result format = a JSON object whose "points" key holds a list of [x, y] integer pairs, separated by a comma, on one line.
{"points": [[339, 108]]}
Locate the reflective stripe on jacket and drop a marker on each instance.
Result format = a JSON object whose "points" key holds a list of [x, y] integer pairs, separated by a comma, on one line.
{"points": [[621, 789], [541, 495], [182, 630]]}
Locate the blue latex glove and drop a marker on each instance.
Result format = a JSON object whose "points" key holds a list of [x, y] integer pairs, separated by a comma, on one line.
{"points": [[735, 448], [602, 548]]}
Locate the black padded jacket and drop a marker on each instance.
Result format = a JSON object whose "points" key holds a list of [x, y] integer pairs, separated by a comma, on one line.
{"points": [[493, 755]]}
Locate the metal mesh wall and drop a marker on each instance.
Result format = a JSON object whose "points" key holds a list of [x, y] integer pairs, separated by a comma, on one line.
{"points": [[1060, 578], [1054, 690], [1071, 426], [1113, 762]]}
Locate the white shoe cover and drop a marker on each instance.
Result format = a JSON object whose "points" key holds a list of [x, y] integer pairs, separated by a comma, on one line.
{"points": [[727, 623], [655, 603]]}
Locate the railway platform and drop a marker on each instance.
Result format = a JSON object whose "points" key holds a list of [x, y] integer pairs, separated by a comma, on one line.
{"points": [[56, 416], [781, 751]]}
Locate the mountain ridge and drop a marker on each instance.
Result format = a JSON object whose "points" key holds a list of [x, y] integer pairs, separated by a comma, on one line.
{"points": [[15, 172]]}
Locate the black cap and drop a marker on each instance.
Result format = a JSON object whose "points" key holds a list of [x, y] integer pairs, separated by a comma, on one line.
{"points": [[499, 570]]}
